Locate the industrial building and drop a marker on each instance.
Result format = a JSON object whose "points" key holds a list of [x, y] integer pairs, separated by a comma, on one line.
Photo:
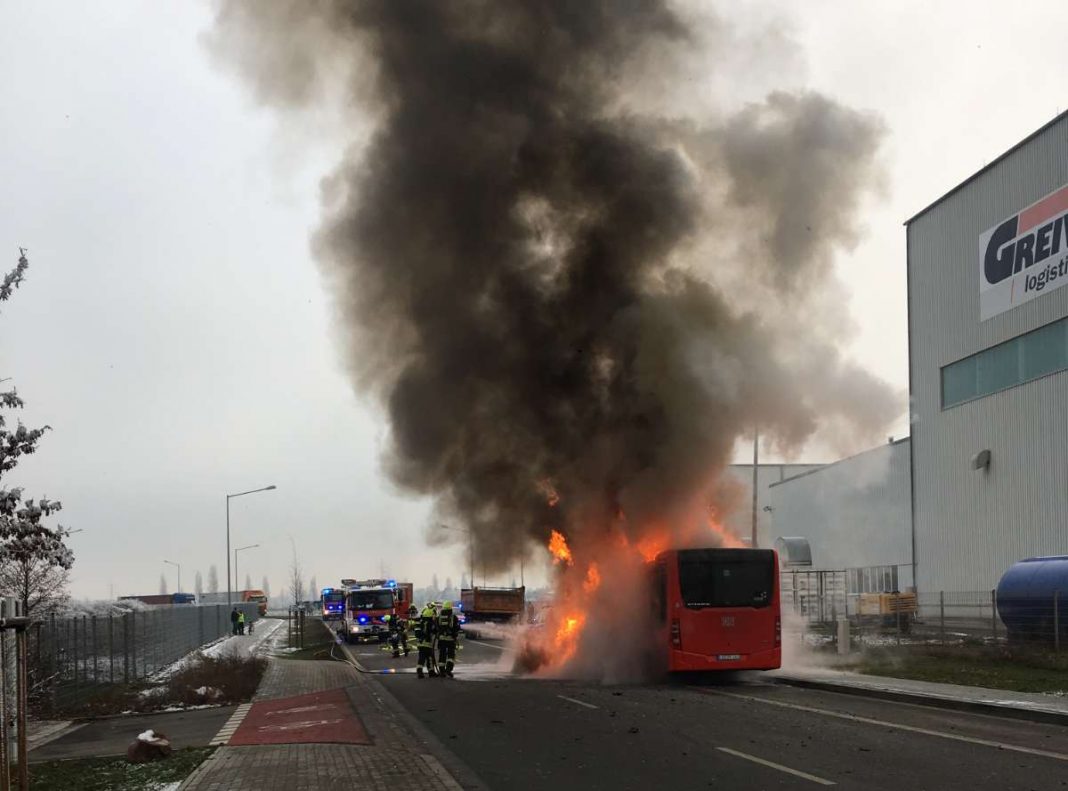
{"points": [[988, 352], [983, 480], [855, 516], [738, 517]]}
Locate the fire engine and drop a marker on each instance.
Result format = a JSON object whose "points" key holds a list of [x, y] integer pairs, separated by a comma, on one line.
{"points": [[369, 607]]}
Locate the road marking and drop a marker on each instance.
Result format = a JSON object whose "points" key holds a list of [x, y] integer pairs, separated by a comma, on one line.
{"points": [[577, 702], [898, 726], [490, 645], [773, 765], [441, 772], [231, 726]]}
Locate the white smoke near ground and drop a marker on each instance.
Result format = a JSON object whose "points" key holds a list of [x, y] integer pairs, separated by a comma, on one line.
{"points": [[553, 270]]}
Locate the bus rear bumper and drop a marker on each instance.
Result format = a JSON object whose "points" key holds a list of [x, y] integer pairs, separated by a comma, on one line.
{"points": [[684, 661]]}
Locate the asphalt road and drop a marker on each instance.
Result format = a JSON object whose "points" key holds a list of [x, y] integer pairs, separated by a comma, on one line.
{"points": [[739, 733]]}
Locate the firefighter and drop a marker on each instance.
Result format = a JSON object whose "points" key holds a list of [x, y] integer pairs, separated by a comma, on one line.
{"points": [[448, 629], [411, 624], [394, 625], [424, 632]]}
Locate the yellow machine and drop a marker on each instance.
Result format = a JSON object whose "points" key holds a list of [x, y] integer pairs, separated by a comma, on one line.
{"points": [[889, 608]]}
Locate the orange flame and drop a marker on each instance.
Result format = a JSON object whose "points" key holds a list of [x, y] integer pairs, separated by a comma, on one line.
{"points": [[726, 537], [652, 545], [593, 579], [567, 634], [559, 549]]}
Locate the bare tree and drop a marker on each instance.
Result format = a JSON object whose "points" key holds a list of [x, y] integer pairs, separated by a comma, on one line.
{"points": [[33, 558], [198, 584], [162, 583], [313, 588], [40, 586], [296, 576], [213, 579]]}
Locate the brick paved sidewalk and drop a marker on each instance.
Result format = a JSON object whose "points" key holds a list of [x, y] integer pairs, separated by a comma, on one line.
{"points": [[395, 761]]}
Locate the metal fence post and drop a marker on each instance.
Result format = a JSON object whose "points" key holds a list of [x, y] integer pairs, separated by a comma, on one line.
{"points": [[96, 655], [1056, 621], [5, 717], [994, 613], [22, 704], [111, 649], [126, 647], [74, 646], [942, 615], [55, 647]]}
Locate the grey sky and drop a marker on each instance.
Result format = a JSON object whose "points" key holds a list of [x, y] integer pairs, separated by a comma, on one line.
{"points": [[174, 330]]}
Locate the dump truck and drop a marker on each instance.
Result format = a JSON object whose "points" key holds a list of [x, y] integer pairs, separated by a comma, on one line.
{"points": [[498, 605]]}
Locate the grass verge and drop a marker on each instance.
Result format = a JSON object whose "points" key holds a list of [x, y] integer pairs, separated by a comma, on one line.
{"points": [[974, 666], [115, 774], [318, 640], [208, 680]]}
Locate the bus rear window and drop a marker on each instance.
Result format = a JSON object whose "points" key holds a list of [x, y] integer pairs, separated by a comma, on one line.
{"points": [[726, 578]]}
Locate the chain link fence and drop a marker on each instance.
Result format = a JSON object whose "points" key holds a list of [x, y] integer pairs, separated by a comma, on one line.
{"points": [[946, 618], [71, 658]]}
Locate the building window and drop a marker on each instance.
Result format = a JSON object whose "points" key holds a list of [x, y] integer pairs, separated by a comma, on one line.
{"points": [[1023, 359], [873, 579]]}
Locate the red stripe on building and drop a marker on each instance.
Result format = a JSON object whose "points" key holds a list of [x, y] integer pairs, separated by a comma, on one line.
{"points": [[1038, 213]]}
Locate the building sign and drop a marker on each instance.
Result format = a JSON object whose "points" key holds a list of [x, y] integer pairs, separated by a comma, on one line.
{"points": [[1024, 256]]}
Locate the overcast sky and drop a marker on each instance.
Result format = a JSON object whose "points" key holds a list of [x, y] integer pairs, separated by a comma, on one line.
{"points": [[174, 330]]}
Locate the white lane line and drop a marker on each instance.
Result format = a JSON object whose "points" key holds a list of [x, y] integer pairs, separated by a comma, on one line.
{"points": [[779, 767], [231, 726], [895, 725], [577, 702]]}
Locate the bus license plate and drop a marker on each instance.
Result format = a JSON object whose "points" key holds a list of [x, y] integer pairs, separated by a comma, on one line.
{"points": [[728, 657]]}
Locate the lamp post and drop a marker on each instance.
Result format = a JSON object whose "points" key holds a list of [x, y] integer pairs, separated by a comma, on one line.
{"points": [[470, 546], [237, 578], [179, 567], [229, 588]]}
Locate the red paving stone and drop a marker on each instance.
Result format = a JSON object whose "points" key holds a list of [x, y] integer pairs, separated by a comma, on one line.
{"points": [[319, 718]]}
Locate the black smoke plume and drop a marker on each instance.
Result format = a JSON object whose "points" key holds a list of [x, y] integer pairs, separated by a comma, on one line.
{"points": [[555, 289]]}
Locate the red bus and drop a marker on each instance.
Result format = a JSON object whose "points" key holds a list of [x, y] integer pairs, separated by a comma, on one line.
{"points": [[718, 609]]}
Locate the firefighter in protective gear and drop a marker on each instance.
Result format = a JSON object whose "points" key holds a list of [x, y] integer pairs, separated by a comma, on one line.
{"points": [[398, 638], [424, 632], [448, 629], [411, 624]]}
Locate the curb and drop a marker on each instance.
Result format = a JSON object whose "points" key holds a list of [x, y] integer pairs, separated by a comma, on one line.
{"points": [[930, 700], [451, 770]]}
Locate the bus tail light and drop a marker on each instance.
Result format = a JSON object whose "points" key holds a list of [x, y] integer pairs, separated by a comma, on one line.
{"points": [[778, 631], [676, 634]]}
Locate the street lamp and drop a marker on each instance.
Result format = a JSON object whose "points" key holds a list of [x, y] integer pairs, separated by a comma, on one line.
{"points": [[179, 567], [229, 598], [470, 546], [237, 578]]}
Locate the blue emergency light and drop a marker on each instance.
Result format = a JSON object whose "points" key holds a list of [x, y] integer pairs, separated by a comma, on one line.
{"points": [[362, 619], [392, 583]]}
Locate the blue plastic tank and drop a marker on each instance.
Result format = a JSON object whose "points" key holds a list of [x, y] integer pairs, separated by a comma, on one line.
{"points": [[1025, 597]]}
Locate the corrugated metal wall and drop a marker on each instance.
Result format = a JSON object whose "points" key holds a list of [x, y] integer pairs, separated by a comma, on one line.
{"points": [[854, 513], [738, 517], [971, 525]]}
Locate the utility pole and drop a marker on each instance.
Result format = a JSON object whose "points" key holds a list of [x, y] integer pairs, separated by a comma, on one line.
{"points": [[756, 467]]}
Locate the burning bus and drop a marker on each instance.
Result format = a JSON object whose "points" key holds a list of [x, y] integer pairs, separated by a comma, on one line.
{"points": [[717, 609]]}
